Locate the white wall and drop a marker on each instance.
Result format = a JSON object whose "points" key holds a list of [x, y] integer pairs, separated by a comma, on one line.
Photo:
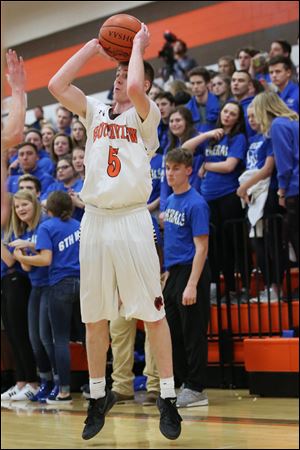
{"points": [[23, 21]]}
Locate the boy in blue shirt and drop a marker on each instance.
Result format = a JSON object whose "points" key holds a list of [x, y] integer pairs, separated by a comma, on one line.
{"points": [[187, 280]]}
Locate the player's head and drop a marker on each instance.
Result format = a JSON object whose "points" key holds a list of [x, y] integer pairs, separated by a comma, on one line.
{"points": [[120, 84]]}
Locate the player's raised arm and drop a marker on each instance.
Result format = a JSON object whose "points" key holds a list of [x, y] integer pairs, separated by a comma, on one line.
{"points": [[12, 133], [136, 83], [60, 84]]}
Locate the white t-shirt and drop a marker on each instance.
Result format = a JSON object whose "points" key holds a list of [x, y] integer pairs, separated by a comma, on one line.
{"points": [[117, 156]]}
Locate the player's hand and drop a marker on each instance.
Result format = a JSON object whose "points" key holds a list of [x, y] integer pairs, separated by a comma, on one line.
{"points": [[99, 50], [189, 296], [142, 37], [16, 76]]}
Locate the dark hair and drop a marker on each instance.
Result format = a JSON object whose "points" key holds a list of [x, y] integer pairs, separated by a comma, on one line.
{"points": [[53, 155], [23, 144], [149, 72], [34, 130], [180, 155], [285, 45], [29, 177], [258, 87], [166, 95], [190, 129], [243, 71], [201, 72], [59, 203], [239, 127], [249, 50], [285, 60]]}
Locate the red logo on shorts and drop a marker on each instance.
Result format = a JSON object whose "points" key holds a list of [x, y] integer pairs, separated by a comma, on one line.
{"points": [[158, 302]]}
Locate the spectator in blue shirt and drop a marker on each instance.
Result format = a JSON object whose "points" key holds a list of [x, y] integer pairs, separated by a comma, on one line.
{"points": [[282, 125], [15, 291], [67, 181], [57, 247], [204, 105], [280, 70], [166, 104], [28, 160], [186, 292], [240, 86], [181, 129], [260, 167], [27, 216], [224, 159]]}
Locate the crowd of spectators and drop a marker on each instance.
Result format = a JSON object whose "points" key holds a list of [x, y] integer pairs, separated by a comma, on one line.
{"points": [[212, 114]]}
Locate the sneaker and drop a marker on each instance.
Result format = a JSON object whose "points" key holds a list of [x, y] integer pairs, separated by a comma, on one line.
{"points": [[85, 389], [59, 400], [25, 394], [150, 398], [263, 296], [170, 420], [53, 394], [43, 392], [97, 411], [188, 398], [121, 398], [10, 392]]}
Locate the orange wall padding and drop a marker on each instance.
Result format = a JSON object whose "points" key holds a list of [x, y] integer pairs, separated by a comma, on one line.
{"points": [[272, 355]]}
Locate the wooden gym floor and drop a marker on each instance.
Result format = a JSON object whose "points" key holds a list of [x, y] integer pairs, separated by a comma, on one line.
{"points": [[233, 419]]}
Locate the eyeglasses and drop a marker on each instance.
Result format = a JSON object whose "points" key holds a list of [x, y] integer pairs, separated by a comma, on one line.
{"points": [[62, 168]]}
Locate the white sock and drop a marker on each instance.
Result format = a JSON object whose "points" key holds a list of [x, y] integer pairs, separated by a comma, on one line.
{"points": [[167, 387], [97, 387]]}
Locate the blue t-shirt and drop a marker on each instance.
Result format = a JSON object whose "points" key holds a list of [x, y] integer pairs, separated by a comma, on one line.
{"points": [[212, 109], [156, 168], [38, 275], [62, 238], [290, 96], [215, 184], [186, 216], [285, 139], [260, 147], [45, 178]]}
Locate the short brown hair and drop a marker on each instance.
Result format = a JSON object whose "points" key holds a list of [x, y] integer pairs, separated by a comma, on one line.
{"points": [[180, 155]]}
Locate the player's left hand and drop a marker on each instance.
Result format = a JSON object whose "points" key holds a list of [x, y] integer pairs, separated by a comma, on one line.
{"points": [[142, 37]]}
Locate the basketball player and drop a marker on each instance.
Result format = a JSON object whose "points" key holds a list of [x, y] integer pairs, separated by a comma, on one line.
{"points": [[117, 252]]}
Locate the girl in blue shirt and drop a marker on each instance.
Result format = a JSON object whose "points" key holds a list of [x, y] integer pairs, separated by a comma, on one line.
{"points": [[26, 218], [58, 247], [15, 292], [282, 125], [224, 159], [260, 159], [181, 128]]}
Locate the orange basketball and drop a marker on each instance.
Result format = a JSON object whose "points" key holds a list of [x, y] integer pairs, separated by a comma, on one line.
{"points": [[116, 35]]}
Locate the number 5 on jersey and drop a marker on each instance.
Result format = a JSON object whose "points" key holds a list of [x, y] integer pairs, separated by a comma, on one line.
{"points": [[114, 164]]}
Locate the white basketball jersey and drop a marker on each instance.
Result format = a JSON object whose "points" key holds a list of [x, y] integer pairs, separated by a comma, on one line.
{"points": [[117, 156]]}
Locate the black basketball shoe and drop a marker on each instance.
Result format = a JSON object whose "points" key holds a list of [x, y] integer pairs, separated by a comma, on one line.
{"points": [[97, 411], [170, 419]]}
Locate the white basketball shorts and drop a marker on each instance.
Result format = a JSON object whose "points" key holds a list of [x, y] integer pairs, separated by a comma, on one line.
{"points": [[118, 258]]}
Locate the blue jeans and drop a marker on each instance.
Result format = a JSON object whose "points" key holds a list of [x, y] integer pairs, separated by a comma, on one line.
{"points": [[63, 300], [36, 321]]}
